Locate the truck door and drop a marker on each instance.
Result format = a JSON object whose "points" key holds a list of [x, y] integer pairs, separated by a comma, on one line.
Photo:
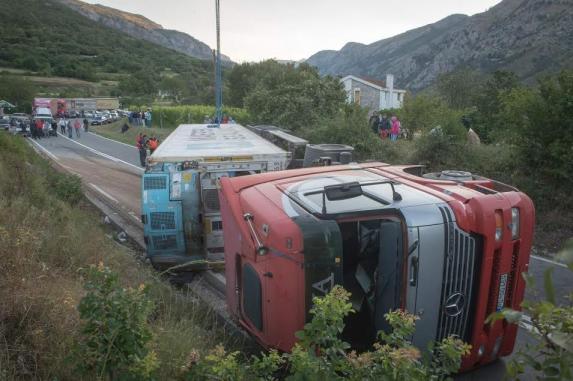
{"points": [[162, 217]]}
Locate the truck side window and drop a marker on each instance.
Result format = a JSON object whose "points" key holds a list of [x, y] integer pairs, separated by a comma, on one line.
{"points": [[252, 296]]}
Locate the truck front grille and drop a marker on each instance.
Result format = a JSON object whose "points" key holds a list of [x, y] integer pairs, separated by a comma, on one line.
{"points": [[460, 278], [154, 182], [162, 220]]}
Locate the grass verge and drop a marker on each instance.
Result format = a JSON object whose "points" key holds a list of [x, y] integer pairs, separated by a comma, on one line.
{"points": [[113, 131], [48, 233]]}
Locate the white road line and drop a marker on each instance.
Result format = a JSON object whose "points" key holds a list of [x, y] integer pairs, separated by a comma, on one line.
{"points": [[104, 193], [549, 261], [45, 150], [112, 158], [134, 217], [115, 141]]}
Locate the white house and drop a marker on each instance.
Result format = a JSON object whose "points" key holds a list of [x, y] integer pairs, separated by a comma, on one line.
{"points": [[372, 93]]}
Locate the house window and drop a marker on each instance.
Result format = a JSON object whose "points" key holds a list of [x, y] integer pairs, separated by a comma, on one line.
{"points": [[216, 225], [357, 96]]}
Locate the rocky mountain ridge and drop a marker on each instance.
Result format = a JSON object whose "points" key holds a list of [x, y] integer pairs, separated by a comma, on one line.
{"points": [[140, 27], [529, 37]]}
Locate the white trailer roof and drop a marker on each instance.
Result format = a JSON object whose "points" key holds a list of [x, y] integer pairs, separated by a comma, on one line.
{"points": [[204, 142]]}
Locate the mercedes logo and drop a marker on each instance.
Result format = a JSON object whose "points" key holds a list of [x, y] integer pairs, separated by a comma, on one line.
{"points": [[455, 304]]}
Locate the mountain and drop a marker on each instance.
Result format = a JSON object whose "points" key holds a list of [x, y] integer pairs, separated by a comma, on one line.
{"points": [[43, 39], [138, 26], [529, 37]]}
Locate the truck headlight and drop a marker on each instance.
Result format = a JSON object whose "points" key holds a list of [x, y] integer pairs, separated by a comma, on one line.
{"points": [[498, 225], [514, 223]]}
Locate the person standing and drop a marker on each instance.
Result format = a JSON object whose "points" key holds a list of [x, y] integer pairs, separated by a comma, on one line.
{"points": [[77, 126], [62, 124], [141, 144], [54, 130], [395, 129], [86, 124], [385, 126], [153, 143], [33, 130], [39, 127], [69, 128]]}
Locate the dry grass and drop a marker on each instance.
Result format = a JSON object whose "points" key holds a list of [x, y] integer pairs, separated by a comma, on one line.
{"points": [[44, 244]]}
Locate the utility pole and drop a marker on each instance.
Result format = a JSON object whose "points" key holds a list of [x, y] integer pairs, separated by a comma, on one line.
{"points": [[218, 73]]}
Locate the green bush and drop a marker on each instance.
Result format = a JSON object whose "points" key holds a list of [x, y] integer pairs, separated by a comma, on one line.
{"points": [[551, 354], [115, 332], [67, 188], [322, 355], [172, 116]]}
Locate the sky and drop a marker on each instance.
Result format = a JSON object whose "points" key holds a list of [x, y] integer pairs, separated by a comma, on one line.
{"points": [[253, 30]]}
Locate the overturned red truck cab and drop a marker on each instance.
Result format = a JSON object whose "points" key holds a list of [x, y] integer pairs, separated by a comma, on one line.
{"points": [[448, 247]]}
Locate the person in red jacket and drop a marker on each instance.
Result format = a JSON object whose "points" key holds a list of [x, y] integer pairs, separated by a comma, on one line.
{"points": [[153, 143]]}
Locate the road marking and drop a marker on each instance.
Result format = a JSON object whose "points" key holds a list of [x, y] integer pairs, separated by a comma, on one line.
{"points": [[113, 140], [112, 158], [549, 261], [134, 216], [45, 150], [104, 193]]}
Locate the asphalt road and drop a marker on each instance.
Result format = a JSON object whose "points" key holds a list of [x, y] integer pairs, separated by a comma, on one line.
{"points": [[112, 168]]}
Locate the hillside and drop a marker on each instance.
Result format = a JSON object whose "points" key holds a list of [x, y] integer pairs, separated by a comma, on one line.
{"points": [[45, 38], [529, 37], [140, 27]]}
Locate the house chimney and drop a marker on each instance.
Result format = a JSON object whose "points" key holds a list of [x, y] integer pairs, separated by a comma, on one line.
{"points": [[390, 87]]}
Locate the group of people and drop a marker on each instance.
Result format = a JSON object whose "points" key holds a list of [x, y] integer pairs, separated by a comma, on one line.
{"points": [[40, 128], [224, 120], [66, 126], [140, 118], [386, 127], [143, 143]]}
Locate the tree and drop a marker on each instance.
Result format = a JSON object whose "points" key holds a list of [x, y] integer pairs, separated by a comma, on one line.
{"points": [[141, 83], [242, 79], [425, 112], [487, 120], [293, 97], [18, 91], [460, 88]]}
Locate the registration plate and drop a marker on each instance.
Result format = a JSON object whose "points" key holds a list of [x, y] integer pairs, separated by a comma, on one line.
{"points": [[502, 290]]}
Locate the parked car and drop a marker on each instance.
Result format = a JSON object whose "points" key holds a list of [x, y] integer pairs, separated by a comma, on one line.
{"points": [[98, 120], [89, 115], [4, 123]]}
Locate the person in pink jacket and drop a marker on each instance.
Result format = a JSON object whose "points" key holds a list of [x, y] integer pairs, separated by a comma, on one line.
{"points": [[395, 130]]}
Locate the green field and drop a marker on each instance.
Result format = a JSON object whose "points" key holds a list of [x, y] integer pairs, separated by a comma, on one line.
{"points": [[113, 131]]}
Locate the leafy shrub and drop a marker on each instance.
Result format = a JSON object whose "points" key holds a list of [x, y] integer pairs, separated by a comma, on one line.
{"points": [[67, 188], [173, 116], [114, 329], [552, 325], [322, 355]]}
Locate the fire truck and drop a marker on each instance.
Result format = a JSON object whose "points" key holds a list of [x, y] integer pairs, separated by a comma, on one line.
{"points": [[448, 247]]}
